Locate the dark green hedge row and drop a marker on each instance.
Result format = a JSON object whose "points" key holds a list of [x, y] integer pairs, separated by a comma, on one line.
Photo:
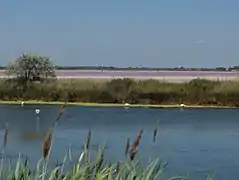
{"points": [[199, 92]]}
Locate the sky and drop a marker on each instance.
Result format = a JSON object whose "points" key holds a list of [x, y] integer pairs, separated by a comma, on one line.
{"points": [[123, 33]]}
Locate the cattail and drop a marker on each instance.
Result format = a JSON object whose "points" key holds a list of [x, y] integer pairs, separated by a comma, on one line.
{"points": [[134, 148], [5, 135], [155, 134], [155, 131], [133, 152], [61, 111], [47, 143], [127, 146], [88, 140]]}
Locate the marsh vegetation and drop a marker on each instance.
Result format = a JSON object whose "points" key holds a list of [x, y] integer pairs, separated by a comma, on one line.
{"points": [[196, 92]]}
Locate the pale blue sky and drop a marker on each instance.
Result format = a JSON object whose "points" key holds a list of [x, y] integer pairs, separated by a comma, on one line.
{"points": [[162, 33]]}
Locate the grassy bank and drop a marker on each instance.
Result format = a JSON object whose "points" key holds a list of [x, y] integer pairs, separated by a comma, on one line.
{"points": [[35, 102], [146, 93]]}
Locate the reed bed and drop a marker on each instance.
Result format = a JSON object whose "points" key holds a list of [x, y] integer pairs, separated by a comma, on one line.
{"points": [[196, 92], [84, 168]]}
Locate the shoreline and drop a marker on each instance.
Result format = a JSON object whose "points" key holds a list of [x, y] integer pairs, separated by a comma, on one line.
{"points": [[35, 102]]}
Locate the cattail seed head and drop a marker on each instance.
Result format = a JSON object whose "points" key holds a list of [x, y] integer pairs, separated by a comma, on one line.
{"points": [[47, 143], [61, 111], [88, 140], [5, 135], [155, 134], [134, 148]]}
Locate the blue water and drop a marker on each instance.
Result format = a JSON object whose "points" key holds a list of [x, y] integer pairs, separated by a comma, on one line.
{"points": [[194, 142]]}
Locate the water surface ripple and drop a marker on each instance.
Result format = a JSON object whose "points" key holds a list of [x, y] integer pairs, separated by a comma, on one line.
{"points": [[193, 141]]}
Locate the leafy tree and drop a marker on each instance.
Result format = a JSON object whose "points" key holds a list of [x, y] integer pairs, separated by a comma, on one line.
{"points": [[29, 68]]}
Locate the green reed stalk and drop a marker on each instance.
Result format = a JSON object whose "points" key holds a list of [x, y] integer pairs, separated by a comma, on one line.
{"points": [[51, 140]]}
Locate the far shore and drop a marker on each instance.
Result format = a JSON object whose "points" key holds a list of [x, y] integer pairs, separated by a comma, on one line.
{"points": [[33, 102]]}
